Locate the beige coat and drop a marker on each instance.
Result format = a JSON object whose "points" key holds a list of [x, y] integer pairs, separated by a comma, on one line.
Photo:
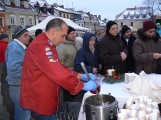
{"points": [[67, 52]]}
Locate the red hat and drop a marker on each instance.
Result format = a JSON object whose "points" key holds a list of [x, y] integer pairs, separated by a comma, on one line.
{"points": [[149, 25]]}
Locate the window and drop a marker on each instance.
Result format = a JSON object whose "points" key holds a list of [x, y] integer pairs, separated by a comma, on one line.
{"points": [[144, 16], [137, 16], [8, 2], [26, 4], [30, 20], [12, 19], [1, 21], [122, 24], [60, 15], [39, 21], [132, 23], [22, 21], [45, 11], [17, 2], [131, 16]]}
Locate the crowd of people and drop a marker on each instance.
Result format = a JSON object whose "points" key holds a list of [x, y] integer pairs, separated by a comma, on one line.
{"points": [[37, 75]]}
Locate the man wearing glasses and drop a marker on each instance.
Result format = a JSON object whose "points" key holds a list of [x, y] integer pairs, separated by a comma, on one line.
{"points": [[14, 61], [147, 48]]}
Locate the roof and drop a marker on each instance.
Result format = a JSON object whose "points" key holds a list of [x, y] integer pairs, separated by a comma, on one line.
{"points": [[102, 23], [41, 2], [42, 25], [134, 13], [63, 10]]}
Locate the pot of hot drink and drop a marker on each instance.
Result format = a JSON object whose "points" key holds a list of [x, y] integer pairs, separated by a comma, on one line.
{"points": [[96, 111]]}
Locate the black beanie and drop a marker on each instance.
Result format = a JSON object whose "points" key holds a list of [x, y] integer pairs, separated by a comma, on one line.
{"points": [[124, 29], [70, 29], [19, 31], [109, 24], [2, 36], [38, 31]]}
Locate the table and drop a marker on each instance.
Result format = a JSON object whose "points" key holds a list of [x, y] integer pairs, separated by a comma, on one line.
{"points": [[117, 90]]}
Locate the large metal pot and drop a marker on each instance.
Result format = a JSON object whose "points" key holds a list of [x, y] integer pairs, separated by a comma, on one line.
{"points": [[96, 111]]}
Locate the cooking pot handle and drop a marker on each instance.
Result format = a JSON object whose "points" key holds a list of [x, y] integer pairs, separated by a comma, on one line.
{"points": [[93, 115], [111, 114], [83, 108]]}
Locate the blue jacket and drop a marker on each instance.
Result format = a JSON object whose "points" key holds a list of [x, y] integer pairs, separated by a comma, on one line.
{"points": [[85, 55], [14, 60]]}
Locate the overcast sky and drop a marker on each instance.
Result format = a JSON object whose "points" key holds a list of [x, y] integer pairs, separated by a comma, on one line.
{"points": [[106, 8]]}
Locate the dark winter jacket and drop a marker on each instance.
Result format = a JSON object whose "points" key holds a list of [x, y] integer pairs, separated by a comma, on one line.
{"points": [[143, 49], [85, 55], [130, 62], [110, 48]]}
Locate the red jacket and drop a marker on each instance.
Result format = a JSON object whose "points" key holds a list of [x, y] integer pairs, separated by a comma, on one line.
{"points": [[43, 75], [3, 46]]}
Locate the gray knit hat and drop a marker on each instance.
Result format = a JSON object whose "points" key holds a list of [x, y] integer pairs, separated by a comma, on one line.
{"points": [[19, 31]]}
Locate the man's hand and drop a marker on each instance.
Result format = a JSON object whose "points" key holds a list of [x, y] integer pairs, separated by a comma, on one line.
{"points": [[156, 55], [123, 56]]}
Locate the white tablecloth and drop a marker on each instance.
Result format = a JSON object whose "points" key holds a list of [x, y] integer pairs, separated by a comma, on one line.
{"points": [[117, 90]]}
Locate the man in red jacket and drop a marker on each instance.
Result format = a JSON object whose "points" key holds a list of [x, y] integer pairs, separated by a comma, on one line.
{"points": [[43, 74]]}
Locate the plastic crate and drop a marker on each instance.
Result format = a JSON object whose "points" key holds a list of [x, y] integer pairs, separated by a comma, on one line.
{"points": [[68, 111]]}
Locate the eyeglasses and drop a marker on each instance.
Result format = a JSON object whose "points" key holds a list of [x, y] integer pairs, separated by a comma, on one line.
{"points": [[101, 33], [152, 31]]}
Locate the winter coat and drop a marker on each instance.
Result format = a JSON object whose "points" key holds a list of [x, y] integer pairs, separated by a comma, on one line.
{"points": [[130, 62], [67, 52], [110, 48], [91, 60], [3, 47], [143, 49], [43, 75], [14, 59]]}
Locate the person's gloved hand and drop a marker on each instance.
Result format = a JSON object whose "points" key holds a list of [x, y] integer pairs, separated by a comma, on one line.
{"points": [[84, 77], [90, 85]]}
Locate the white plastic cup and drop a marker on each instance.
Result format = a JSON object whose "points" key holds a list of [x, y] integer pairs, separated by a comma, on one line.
{"points": [[142, 107], [133, 113], [148, 110], [154, 105], [153, 116], [134, 107], [141, 115], [156, 111], [121, 116]]}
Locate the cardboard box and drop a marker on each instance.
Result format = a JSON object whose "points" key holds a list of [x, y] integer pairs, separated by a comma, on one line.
{"points": [[129, 77]]}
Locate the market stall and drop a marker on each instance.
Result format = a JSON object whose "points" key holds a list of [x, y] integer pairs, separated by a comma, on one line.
{"points": [[42, 25]]}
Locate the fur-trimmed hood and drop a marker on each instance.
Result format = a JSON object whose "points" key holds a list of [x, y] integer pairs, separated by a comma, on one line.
{"points": [[143, 37]]}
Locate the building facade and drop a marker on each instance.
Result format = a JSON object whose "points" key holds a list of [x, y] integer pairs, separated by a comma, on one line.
{"points": [[2, 19], [18, 13], [132, 17]]}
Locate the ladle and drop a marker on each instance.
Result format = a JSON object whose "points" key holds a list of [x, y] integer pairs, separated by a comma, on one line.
{"points": [[87, 74]]}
